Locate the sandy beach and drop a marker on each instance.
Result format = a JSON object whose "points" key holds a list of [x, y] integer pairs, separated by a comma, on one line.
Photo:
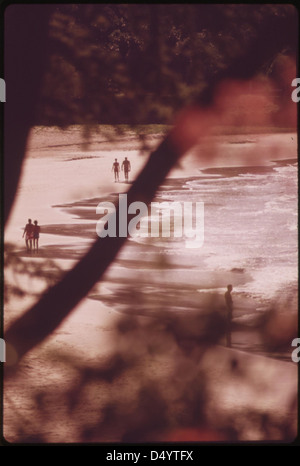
{"points": [[62, 184]]}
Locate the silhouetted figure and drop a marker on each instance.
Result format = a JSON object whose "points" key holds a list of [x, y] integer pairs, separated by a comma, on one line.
{"points": [[229, 307], [36, 235], [28, 232], [126, 167], [116, 169]]}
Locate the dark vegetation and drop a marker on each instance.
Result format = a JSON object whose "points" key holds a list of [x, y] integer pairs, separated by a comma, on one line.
{"points": [[135, 65]]}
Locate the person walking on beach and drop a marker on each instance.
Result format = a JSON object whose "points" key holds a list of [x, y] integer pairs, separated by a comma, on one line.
{"points": [[229, 307], [28, 233], [126, 167], [36, 235], [116, 169]]}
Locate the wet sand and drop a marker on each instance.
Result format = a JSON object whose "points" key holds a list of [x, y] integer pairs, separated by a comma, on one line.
{"points": [[38, 397], [143, 282]]}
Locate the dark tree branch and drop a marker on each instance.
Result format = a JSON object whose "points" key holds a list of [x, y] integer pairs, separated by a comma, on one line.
{"points": [[25, 52], [38, 322]]}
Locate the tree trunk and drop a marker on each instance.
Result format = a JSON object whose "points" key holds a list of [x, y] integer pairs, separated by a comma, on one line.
{"points": [[38, 322], [25, 51]]}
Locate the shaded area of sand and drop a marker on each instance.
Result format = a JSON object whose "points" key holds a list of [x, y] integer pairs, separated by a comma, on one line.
{"points": [[74, 387], [144, 280]]}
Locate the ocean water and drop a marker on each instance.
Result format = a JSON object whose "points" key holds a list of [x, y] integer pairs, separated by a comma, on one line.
{"points": [[250, 223], [250, 240], [250, 195], [250, 233]]}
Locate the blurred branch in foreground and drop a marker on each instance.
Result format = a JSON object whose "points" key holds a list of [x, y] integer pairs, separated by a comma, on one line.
{"points": [[191, 125], [130, 64], [176, 384], [16, 268]]}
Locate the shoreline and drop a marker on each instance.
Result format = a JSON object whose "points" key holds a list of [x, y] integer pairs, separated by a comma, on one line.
{"points": [[148, 281], [66, 241], [81, 228]]}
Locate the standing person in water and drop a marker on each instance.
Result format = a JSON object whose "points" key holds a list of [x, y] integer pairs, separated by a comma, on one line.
{"points": [[126, 167], [116, 169], [28, 233], [229, 307], [36, 235]]}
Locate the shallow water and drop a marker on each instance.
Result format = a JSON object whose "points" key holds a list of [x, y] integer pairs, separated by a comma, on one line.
{"points": [[249, 192], [250, 240], [250, 228], [250, 223]]}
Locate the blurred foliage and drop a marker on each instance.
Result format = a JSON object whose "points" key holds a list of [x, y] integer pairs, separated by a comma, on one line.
{"points": [[138, 63], [151, 387], [147, 387], [21, 270], [151, 384]]}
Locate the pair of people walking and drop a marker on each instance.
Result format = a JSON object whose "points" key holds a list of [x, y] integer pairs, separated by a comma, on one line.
{"points": [[32, 234], [126, 167]]}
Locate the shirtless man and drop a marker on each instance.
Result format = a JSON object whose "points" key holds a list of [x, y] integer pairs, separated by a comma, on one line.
{"points": [[126, 167], [28, 233], [36, 235], [116, 169]]}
